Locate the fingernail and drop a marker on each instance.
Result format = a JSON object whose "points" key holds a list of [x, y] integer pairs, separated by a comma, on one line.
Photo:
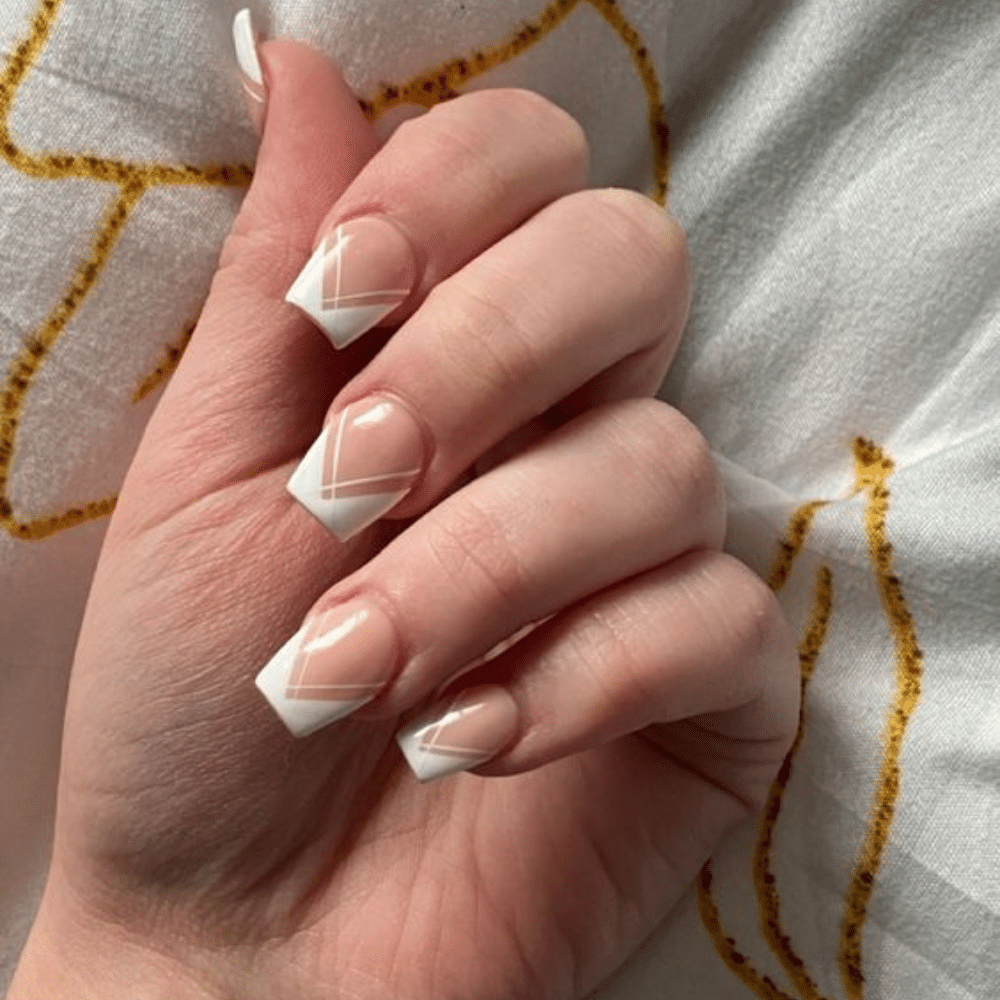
{"points": [[251, 73], [361, 272], [471, 730], [338, 661], [365, 461]]}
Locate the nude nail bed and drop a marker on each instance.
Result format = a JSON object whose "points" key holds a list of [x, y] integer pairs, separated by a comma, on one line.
{"points": [[339, 660], [462, 734]]}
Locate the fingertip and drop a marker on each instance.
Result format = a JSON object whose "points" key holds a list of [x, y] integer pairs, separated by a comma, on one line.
{"points": [[307, 93]]}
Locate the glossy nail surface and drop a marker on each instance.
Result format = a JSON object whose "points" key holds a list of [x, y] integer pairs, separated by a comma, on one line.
{"points": [[338, 661], [360, 273], [365, 461], [251, 74], [461, 735]]}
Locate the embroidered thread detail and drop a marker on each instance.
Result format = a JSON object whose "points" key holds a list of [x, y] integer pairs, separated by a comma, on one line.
{"points": [[132, 180], [873, 468]]}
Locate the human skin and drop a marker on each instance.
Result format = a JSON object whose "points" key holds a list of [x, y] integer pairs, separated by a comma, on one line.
{"points": [[203, 852]]}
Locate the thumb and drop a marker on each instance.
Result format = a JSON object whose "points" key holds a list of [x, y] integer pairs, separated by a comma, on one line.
{"points": [[257, 378], [315, 140]]}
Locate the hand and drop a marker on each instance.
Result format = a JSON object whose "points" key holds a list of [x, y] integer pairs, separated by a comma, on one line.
{"points": [[201, 850]]}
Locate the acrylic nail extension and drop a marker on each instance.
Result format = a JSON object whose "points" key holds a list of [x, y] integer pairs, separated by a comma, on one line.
{"points": [[360, 273], [365, 461], [338, 661], [471, 730], [251, 74]]}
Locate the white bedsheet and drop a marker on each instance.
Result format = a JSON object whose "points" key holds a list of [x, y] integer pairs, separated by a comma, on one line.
{"points": [[835, 163]]}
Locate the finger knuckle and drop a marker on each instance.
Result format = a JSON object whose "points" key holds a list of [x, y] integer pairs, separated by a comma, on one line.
{"points": [[463, 132], [641, 227], [497, 349], [612, 656], [470, 545], [438, 139], [749, 620], [668, 453], [641, 248], [516, 107]]}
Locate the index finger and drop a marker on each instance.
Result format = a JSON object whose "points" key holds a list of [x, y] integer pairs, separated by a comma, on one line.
{"points": [[443, 189]]}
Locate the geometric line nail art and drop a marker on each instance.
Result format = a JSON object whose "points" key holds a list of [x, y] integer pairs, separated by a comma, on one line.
{"points": [[361, 466], [306, 679], [338, 483], [357, 276]]}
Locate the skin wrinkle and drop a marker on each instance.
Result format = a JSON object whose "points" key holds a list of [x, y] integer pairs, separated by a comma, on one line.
{"points": [[573, 961], [670, 447], [473, 538], [641, 689], [713, 604], [507, 352]]}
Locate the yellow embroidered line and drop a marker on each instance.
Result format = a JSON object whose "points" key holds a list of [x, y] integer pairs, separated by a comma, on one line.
{"points": [[24, 56], [167, 366], [791, 546], [441, 83], [31, 357], [768, 900], [764, 882], [132, 181], [763, 986], [650, 80], [60, 166], [873, 469]]}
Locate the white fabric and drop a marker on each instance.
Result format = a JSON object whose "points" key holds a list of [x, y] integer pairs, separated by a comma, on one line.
{"points": [[835, 164]]}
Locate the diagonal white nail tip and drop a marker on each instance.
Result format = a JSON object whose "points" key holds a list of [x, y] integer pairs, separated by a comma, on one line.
{"points": [[307, 290], [245, 41], [343, 324], [428, 766], [302, 717], [343, 517]]}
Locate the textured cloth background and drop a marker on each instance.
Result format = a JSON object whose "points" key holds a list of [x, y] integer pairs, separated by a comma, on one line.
{"points": [[835, 164]]}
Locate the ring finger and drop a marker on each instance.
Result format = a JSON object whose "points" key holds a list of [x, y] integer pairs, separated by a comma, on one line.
{"points": [[616, 492]]}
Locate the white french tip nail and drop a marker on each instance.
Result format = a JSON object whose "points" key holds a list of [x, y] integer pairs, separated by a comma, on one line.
{"points": [[340, 660], [360, 274], [343, 324], [364, 463], [301, 717], [246, 47], [251, 74], [459, 736]]}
